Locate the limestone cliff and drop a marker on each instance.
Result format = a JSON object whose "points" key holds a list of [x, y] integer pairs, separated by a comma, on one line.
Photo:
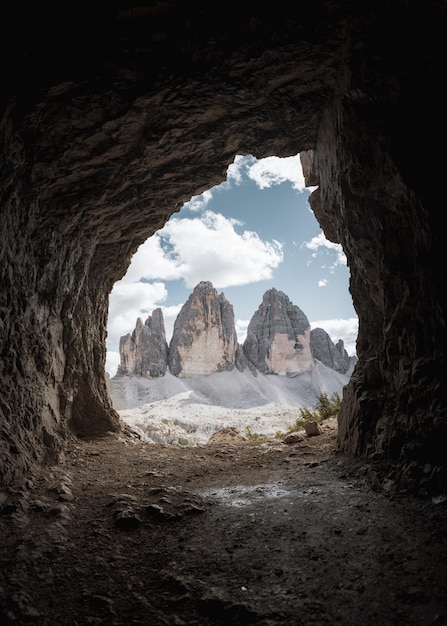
{"points": [[278, 337], [279, 340], [330, 354], [204, 340], [145, 351]]}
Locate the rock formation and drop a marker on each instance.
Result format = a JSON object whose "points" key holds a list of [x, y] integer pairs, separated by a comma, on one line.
{"points": [[332, 355], [204, 340], [145, 351], [278, 336], [112, 118], [279, 340]]}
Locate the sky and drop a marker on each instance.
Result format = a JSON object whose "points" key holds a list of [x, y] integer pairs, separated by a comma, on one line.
{"points": [[253, 232]]}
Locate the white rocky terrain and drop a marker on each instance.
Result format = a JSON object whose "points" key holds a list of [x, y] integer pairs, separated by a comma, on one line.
{"points": [[189, 410]]}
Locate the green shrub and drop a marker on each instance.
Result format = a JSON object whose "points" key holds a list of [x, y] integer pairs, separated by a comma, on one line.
{"points": [[325, 407]]}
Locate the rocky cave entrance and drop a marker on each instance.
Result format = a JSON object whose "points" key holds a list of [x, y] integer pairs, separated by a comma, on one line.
{"points": [[109, 117], [252, 232], [100, 146]]}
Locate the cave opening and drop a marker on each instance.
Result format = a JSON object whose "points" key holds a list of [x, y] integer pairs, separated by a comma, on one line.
{"points": [[252, 233], [108, 118]]}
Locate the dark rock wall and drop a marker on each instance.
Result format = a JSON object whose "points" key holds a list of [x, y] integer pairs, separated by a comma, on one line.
{"points": [[113, 116], [372, 201]]}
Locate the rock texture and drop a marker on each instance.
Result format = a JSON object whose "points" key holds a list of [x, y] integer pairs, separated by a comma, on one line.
{"points": [[145, 351], [332, 355], [204, 340], [113, 116], [278, 337]]}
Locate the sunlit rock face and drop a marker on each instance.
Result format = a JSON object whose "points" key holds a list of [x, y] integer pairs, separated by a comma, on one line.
{"points": [[145, 351], [112, 118], [204, 340], [278, 337]]}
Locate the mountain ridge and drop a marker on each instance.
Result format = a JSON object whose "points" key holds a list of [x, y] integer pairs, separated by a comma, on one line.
{"points": [[279, 340]]}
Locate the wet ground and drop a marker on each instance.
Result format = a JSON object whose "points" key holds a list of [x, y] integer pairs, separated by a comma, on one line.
{"points": [[127, 533]]}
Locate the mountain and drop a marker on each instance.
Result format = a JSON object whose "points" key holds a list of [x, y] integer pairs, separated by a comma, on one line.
{"points": [[281, 362], [333, 355], [278, 337], [204, 340], [145, 351]]}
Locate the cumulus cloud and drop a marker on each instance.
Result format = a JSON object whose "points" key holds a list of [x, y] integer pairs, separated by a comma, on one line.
{"points": [[345, 329], [206, 247], [274, 171], [267, 172], [199, 203], [320, 244]]}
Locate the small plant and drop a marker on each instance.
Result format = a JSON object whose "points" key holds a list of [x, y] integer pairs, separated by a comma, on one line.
{"points": [[325, 407], [250, 436]]}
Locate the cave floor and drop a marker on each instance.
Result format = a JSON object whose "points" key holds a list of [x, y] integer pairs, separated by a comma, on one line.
{"points": [[129, 533]]}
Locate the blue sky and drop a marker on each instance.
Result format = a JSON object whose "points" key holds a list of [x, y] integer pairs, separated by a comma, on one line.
{"points": [[253, 232]]}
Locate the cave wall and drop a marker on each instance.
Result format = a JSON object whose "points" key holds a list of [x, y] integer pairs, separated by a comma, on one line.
{"points": [[114, 116]]}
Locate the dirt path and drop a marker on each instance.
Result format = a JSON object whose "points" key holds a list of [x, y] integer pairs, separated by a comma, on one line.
{"points": [[127, 533]]}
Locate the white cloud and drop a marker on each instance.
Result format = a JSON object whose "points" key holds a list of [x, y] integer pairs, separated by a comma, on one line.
{"points": [[170, 314], [112, 362], [345, 329], [268, 171], [236, 170], [321, 244], [241, 330], [206, 247], [321, 247], [152, 262], [274, 171], [199, 203]]}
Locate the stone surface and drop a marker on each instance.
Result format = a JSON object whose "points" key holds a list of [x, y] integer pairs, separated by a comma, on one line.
{"points": [[204, 339], [145, 351], [313, 429], [227, 435], [205, 335], [100, 144], [332, 355], [278, 336]]}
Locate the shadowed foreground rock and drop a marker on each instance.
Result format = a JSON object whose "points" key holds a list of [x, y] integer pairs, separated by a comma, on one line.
{"points": [[113, 116]]}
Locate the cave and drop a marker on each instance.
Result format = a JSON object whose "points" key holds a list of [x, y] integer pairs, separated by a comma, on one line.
{"points": [[113, 117]]}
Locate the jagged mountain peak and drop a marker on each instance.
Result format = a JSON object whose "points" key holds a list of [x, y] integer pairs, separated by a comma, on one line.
{"points": [[204, 340]]}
